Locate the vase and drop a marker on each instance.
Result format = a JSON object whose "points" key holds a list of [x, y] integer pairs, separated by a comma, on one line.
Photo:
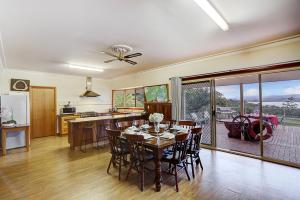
{"points": [[157, 130]]}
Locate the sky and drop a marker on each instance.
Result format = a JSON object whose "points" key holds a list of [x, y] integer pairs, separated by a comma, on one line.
{"points": [[268, 89]]}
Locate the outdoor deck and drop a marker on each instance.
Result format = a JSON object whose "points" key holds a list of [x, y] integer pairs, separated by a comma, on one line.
{"points": [[283, 145]]}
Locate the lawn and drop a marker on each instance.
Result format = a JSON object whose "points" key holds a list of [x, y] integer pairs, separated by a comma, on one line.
{"points": [[292, 121]]}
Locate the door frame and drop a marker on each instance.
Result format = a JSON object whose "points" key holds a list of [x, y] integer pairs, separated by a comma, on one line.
{"points": [[55, 105]]}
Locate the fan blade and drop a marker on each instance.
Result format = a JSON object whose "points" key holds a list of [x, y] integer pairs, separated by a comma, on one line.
{"points": [[133, 55], [131, 62], [110, 54], [108, 61]]}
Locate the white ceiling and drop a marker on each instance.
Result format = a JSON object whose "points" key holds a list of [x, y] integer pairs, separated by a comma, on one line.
{"points": [[45, 35]]}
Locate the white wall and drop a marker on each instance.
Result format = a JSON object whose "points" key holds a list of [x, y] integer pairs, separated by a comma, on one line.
{"points": [[68, 88], [276, 52]]}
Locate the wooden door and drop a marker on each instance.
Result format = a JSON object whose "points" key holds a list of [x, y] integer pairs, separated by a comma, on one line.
{"points": [[42, 111]]}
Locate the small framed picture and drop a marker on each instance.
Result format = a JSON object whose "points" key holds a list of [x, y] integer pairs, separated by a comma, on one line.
{"points": [[19, 85]]}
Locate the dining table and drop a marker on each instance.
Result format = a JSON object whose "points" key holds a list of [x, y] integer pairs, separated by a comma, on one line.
{"points": [[158, 149], [158, 146]]}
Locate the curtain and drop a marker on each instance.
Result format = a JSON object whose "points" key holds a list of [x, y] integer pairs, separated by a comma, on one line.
{"points": [[176, 98]]}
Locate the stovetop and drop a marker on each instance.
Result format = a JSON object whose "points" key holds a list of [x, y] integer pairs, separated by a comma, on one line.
{"points": [[88, 114]]}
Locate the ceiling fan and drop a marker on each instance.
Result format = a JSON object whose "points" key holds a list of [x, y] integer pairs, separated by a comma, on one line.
{"points": [[120, 52]]}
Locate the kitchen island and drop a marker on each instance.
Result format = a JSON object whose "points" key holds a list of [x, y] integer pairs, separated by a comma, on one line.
{"points": [[97, 124]]}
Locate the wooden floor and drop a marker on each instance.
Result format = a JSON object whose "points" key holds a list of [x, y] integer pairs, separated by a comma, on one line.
{"points": [[51, 171], [283, 145]]}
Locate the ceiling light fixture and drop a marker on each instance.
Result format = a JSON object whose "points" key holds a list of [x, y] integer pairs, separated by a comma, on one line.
{"points": [[85, 68], [213, 13]]}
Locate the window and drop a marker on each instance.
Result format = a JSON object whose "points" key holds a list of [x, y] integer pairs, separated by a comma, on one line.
{"points": [[118, 98], [128, 98], [157, 93], [139, 97]]}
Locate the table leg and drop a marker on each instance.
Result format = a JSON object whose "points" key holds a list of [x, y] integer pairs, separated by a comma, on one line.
{"points": [[3, 142], [157, 158], [27, 135]]}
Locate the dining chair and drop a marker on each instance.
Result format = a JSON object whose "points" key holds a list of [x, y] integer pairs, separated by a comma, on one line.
{"points": [[193, 149], [178, 159], [187, 124], [123, 125], [102, 136], [138, 122], [138, 156], [118, 150]]}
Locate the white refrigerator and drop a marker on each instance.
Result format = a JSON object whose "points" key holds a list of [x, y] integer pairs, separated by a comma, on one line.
{"points": [[18, 104]]}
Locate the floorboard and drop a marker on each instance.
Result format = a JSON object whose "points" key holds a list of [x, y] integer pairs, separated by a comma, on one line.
{"points": [[51, 171]]}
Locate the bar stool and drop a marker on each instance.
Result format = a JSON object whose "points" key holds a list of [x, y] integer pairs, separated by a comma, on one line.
{"points": [[102, 136], [89, 128]]}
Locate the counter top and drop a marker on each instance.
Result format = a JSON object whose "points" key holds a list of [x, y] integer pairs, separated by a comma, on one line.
{"points": [[90, 119]]}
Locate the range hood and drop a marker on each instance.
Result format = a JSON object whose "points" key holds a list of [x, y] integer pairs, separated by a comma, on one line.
{"points": [[89, 92]]}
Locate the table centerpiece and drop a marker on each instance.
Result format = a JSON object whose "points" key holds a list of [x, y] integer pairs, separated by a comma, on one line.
{"points": [[156, 118]]}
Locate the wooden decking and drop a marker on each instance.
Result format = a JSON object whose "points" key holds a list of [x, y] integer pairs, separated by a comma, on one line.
{"points": [[283, 145]]}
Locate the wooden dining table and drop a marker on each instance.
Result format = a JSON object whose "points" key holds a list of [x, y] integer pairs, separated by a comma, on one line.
{"points": [[158, 149]]}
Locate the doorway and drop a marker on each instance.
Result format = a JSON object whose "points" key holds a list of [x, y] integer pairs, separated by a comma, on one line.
{"points": [[42, 111]]}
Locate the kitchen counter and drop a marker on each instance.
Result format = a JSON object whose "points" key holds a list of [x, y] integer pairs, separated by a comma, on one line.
{"points": [[99, 118], [76, 126]]}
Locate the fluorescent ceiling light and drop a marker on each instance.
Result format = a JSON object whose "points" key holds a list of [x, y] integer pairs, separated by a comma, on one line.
{"points": [[213, 13], [85, 68]]}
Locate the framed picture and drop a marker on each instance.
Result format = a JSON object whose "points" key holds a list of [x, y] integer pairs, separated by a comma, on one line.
{"points": [[19, 85], [157, 93]]}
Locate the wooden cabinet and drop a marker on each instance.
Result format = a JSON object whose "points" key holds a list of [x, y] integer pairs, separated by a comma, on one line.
{"points": [[156, 107], [63, 123]]}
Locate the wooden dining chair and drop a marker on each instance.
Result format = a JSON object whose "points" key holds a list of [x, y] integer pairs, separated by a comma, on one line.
{"points": [[138, 156], [138, 122], [193, 149], [123, 125], [187, 124], [178, 159], [118, 150]]}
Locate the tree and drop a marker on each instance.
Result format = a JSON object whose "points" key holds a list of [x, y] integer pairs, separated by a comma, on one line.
{"points": [[289, 105]]}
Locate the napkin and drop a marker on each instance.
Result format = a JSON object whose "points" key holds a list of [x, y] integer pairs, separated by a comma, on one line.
{"points": [[167, 135], [129, 131], [145, 126], [132, 128], [147, 136]]}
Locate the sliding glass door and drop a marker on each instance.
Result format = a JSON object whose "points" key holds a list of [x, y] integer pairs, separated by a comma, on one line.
{"points": [[281, 114], [197, 106], [237, 110]]}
